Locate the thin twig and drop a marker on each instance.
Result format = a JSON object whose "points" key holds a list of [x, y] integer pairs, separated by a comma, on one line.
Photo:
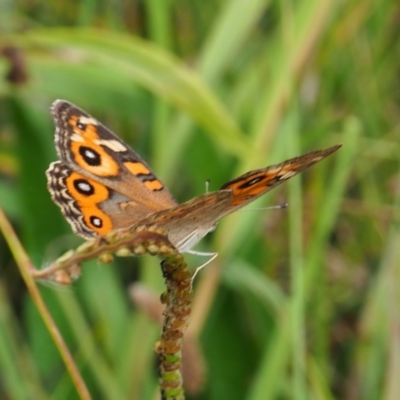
{"points": [[26, 268]]}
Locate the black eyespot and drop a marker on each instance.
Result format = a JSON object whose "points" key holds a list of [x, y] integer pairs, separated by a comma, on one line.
{"points": [[96, 221], [81, 126], [90, 156], [83, 187], [251, 182]]}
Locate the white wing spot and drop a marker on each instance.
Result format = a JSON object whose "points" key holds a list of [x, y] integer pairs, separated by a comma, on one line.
{"points": [[76, 137], [90, 154], [288, 174], [84, 187], [112, 144], [96, 222], [88, 121]]}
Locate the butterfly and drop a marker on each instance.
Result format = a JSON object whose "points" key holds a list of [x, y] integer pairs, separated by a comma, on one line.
{"points": [[101, 184]]}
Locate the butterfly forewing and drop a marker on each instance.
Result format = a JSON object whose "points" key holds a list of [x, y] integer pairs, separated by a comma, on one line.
{"points": [[248, 187], [88, 147]]}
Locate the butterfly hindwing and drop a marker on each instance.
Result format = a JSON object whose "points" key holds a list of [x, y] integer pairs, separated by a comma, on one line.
{"points": [[91, 208]]}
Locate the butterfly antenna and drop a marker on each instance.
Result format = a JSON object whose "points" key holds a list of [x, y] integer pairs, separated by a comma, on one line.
{"points": [[207, 182], [278, 206]]}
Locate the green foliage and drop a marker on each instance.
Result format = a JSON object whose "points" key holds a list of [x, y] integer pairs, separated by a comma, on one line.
{"points": [[301, 303]]}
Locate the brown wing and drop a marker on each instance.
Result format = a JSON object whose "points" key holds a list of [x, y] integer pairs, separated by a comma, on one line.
{"points": [[187, 223], [248, 187], [91, 208], [89, 148]]}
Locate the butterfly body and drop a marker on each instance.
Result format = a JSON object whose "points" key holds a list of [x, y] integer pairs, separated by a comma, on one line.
{"points": [[101, 184]]}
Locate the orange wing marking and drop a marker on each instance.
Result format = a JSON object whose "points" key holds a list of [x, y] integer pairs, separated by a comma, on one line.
{"points": [[87, 154], [88, 194]]}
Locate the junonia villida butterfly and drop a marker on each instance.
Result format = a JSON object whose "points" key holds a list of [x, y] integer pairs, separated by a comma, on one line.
{"points": [[101, 184]]}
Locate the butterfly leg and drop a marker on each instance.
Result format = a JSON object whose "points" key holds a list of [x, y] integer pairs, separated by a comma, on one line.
{"points": [[204, 254]]}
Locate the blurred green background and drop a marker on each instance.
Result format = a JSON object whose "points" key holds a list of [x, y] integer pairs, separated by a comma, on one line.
{"points": [[302, 303]]}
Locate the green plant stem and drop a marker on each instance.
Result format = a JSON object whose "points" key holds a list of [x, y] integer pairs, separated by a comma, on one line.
{"points": [[25, 266]]}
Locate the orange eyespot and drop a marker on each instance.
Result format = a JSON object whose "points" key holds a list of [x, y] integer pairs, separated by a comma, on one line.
{"points": [[89, 194]]}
